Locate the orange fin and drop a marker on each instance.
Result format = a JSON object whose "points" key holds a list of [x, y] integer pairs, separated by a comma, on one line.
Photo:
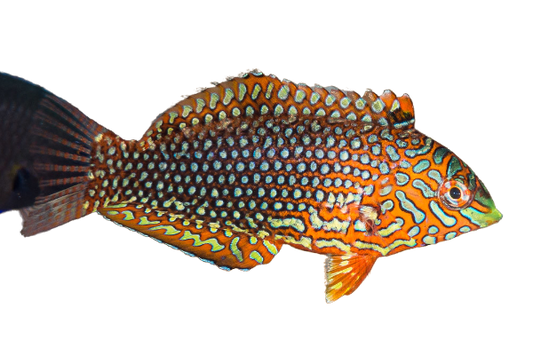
{"points": [[345, 273], [212, 243]]}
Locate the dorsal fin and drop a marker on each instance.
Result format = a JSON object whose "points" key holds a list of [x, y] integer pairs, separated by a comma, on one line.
{"points": [[254, 94], [399, 111]]}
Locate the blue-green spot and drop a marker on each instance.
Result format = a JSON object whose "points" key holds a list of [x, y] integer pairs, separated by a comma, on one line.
{"points": [[428, 143], [314, 98], [300, 96], [229, 95], [345, 102], [387, 205], [283, 92], [453, 167], [429, 240], [242, 91], [450, 235], [384, 168], [413, 231], [391, 228], [385, 191], [433, 230], [424, 188], [378, 106], [435, 175], [421, 166], [447, 220], [330, 99], [464, 229], [391, 151], [256, 91], [360, 104], [439, 154], [409, 206], [402, 179]]}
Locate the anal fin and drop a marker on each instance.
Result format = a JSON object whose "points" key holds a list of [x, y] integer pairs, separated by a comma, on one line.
{"points": [[344, 274], [209, 241]]}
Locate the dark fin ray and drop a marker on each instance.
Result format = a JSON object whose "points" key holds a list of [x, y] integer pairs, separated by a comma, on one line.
{"points": [[54, 210], [344, 274], [48, 145], [208, 241]]}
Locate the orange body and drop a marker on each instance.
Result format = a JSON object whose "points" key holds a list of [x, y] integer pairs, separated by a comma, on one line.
{"points": [[236, 171]]}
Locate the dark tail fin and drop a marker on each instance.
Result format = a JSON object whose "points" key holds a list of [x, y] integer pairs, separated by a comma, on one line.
{"points": [[55, 148]]}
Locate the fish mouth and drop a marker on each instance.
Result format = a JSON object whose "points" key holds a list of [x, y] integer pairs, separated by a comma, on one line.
{"points": [[482, 219], [483, 211], [493, 217]]}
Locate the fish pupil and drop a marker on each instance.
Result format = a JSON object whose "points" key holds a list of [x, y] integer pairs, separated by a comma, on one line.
{"points": [[455, 193]]}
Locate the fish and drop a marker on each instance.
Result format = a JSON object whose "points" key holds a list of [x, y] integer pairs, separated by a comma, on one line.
{"points": [[236, 171]]}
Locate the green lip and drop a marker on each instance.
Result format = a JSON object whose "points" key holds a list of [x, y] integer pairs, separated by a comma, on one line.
{"points": [[483, 219]]}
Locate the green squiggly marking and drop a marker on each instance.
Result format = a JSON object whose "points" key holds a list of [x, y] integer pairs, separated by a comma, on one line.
{"points": [[228, 96], [435, 175], [242, 91], [448, 221], [169, 230], [439, 154], [385, 250], [322, 243], [235, 249], [143, 221], [391, 151], [413, 231], [257, 90], [421, 166], [428, 143], [213, 101], [391, 228], [254, 255], [410, 207], [215, 246], [270, 247], [422, 186], [453, 167], [401, 178]]}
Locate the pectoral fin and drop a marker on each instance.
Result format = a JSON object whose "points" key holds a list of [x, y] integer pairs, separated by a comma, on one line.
{"points": [[345, 273]]}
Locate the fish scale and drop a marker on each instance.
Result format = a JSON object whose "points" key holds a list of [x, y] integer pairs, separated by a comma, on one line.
{"points": [[236, 171]]}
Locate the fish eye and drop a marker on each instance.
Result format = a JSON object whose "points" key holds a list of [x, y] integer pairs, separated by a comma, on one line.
{"points": [[454, 194]]}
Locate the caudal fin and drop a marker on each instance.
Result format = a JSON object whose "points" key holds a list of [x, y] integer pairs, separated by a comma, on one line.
{"points": [[45, 158]]}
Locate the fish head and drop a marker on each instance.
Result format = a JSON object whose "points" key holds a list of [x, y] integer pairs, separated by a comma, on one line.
{"points": [[466, 197], [437, 197]]}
